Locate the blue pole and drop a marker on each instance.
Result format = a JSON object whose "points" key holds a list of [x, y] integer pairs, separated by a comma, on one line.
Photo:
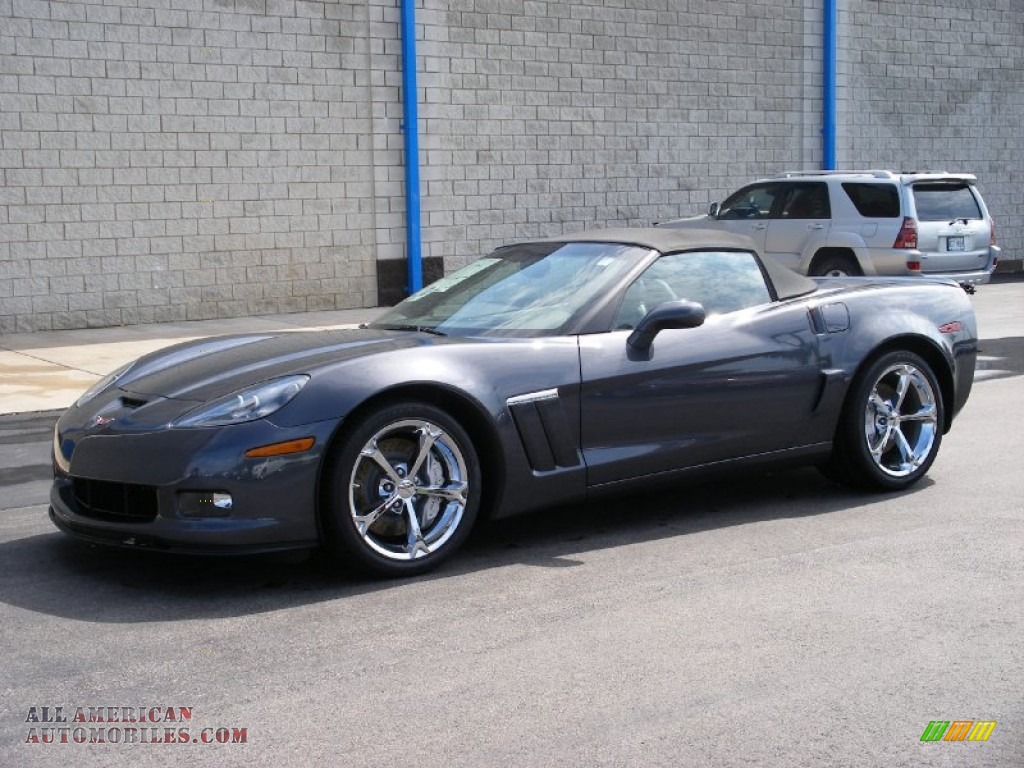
{"points": [[413, 249], [828, 119]]}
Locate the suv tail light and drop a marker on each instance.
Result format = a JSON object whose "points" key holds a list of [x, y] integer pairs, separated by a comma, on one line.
{"points": [[907, 237], [992, 230]]}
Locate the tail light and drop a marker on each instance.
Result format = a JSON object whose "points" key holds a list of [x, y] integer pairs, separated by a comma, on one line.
{"points": [[914, 266], [992, 238], [907, 237]]}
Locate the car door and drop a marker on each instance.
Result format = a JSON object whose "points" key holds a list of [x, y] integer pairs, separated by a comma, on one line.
{"points": [[749, 210], [804, 214], [742, 383]]}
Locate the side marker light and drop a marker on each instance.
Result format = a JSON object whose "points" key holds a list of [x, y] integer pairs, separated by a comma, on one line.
{"points": [[281, 449]]}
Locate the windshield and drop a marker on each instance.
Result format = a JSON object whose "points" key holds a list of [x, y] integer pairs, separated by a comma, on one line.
{"points": [[532, 290]]}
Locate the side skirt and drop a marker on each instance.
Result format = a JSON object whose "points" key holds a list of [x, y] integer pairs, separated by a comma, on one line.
{"points": [[789, 457]]}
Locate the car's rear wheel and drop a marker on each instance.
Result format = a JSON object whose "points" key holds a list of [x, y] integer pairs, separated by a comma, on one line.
{"points": [[835, 265], [402, 490], [891, 426]]}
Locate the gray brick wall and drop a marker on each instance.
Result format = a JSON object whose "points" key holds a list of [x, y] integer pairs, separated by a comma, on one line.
{"points": [[545, 116], [938, 85], [180, 159]]}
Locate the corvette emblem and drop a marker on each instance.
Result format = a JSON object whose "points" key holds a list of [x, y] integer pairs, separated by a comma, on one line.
{"points": [[101, 421]]}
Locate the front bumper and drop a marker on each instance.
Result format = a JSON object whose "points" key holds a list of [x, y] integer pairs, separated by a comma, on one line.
{"points": [[131, 490]]}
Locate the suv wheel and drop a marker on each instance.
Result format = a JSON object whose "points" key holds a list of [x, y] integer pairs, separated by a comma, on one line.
{"points": [[835, 265]]}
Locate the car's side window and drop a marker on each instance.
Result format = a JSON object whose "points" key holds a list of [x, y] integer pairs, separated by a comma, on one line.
{"points": [[807, 201], [753, 202], [722, 281], [874, 201]]}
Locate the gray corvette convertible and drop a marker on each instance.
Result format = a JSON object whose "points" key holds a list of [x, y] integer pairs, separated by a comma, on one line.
{"points": [[544, 374]]}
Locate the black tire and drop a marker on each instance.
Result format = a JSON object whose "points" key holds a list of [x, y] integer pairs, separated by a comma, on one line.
{"points": [[884, 441], [835, 265], [368, 511]]}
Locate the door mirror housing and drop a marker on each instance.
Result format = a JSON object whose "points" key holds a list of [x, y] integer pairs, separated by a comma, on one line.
{"points": [[713, 210], [671, 314]]}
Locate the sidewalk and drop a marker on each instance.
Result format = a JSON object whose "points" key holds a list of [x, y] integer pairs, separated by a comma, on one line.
{"points": [[44, 370]]}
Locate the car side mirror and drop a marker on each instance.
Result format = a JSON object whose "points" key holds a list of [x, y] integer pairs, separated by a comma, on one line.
{"points": [[713, 210], [671, 314]]}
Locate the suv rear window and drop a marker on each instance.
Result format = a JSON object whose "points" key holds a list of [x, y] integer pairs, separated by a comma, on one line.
{"points": [[874, 201], [945, 202]]}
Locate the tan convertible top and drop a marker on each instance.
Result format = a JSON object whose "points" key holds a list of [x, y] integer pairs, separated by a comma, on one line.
{"points": [[787, 283]]}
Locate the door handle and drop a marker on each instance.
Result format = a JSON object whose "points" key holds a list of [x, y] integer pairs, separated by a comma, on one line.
{"points": [[815, 226], [760, 226]]}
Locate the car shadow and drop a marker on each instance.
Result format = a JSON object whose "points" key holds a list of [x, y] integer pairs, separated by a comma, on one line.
{"points": [[55, 575], [552, 537]]}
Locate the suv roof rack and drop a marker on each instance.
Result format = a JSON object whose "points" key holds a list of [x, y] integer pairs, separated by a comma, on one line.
{"points": [[882, 174], [945, 174], [878, 174]]}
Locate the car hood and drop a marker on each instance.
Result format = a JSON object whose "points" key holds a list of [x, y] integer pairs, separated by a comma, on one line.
{"points": [[203, 370], [685, 223]]}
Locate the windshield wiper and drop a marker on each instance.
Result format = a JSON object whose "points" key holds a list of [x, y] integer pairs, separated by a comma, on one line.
{"points": [[400, 327]]}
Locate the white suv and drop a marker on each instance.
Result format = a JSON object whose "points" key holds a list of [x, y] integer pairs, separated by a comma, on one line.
{"points": [[864, 223]]}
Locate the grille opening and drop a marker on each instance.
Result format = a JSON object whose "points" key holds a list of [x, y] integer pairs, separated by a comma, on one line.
{"points": [[115, 502]]}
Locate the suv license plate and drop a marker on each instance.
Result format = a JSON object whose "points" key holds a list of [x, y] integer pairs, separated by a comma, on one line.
{"points": [[955, 243]]}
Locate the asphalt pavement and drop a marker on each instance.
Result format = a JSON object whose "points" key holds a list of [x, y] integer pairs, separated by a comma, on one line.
{"points": [[777, 620]]}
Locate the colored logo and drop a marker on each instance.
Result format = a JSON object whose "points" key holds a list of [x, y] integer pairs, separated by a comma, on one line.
{"points": [[958, 730]]}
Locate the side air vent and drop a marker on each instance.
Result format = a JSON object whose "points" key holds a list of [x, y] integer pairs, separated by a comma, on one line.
{"points": [[132, 402], [544, 430]]}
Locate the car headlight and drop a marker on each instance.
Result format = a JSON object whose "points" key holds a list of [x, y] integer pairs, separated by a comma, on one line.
{"points": [[247, 404], [58, 453], [103, 384]]}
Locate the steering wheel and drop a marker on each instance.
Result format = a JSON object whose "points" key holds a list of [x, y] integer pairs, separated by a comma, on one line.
{"points": [[663, 284]]}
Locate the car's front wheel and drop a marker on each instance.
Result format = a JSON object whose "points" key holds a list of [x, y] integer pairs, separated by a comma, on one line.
{"points": [[891, 426], [402, 490]]}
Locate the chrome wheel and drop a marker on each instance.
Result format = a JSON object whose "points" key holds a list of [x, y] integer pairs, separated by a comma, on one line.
{"points": [[408, 489], [890, 428], [901, 420]]}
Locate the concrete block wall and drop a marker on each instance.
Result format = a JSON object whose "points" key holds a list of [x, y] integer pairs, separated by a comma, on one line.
{"points": [[938, 84], [548, 116], [180, 159]]}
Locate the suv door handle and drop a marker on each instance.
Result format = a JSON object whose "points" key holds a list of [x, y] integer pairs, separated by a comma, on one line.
{"points": [[815, 226], [760, 226]]}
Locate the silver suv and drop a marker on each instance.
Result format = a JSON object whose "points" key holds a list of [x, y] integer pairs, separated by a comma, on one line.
{"points": [[864, 223]]}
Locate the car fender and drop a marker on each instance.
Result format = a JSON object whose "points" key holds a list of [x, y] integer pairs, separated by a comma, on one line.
{"points": [[910, 319], [467, 370], [877, 330]]}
